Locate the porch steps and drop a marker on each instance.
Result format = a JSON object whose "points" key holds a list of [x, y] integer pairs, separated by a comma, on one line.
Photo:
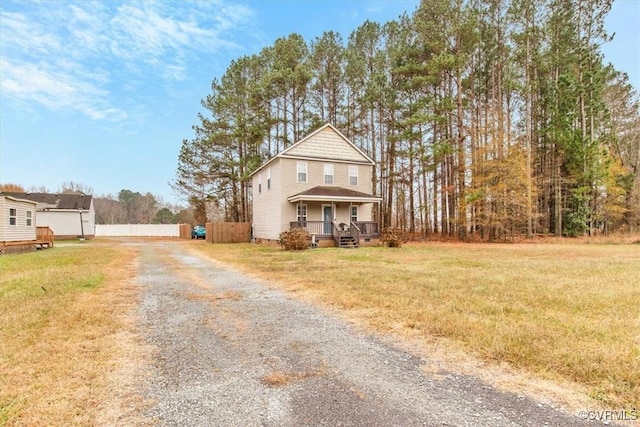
{"points": [[348, 242]]}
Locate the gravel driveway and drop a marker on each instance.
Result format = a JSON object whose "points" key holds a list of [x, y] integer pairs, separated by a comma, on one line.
{"points": [[230, 351]]}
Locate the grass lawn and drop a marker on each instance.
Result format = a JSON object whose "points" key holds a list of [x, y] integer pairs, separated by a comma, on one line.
{"points": [[62, 317], [564, 312]]}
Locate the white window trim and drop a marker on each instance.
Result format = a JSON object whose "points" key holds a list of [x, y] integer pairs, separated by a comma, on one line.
{"points": [[351, 213], [29, 218], [13, 217], [353, 175], [300, 208], [299, 171], [328, 172]]}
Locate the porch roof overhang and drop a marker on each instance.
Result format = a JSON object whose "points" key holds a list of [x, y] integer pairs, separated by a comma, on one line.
{"points": [[333, 194]]}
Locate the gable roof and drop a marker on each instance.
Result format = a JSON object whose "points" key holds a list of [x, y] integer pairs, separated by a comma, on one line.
{"points": [[325, 143], [326, 193], [15, 199], [62, 201]]}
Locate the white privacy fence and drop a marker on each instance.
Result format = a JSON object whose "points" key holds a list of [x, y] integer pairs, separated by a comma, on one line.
{"points": [[137, 230]]}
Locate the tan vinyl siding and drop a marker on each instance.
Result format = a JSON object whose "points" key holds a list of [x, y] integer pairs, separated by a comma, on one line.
{"points": [[266, 204], [364, 177], [3, 213], [315, 172], [326, 144], [315, 176], [20, 231]]}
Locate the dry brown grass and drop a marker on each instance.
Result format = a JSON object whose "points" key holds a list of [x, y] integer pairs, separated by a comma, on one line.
{"points": [[226, 295], [66, 338], [280, 379], [565, 313]]}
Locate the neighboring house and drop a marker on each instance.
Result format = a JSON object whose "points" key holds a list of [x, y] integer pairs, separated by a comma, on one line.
{"points": [[69, 216], [321, 183], [17, 223]]}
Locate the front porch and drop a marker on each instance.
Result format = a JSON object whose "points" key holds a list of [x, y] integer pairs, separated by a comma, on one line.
{"points": [[335, 215], [355, 234]]}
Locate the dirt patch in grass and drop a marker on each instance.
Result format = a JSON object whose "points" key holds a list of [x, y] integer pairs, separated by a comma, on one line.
{"points": [[556, 318], [226, 295], [67, 342], [280, 379]]}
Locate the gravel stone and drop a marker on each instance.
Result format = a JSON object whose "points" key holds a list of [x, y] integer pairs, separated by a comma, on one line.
{"points": [[230, 351]]}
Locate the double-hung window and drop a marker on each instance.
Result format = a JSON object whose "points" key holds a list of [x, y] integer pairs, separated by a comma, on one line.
{"points": [[354, 214], [302, 171], [269, 179], [29, 222], [302, 213], [353, 175], [13, 216], [328, 174]]}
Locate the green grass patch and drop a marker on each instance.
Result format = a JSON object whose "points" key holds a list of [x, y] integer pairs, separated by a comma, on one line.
{"points": [[60, 270], [562, 311]]}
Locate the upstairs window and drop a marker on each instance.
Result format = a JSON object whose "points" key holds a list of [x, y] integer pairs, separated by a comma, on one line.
{"points": [[269, 179], [302, 171], [13, 216], [353, 175], [259, 183], [328, 174], [29, 218]]}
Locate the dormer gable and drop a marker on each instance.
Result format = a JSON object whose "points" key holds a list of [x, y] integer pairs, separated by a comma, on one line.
{"points": [[324, 144], [327, 143]]}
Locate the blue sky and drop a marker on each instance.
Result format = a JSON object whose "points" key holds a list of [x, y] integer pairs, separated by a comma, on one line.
{"points": [[102, 93]]}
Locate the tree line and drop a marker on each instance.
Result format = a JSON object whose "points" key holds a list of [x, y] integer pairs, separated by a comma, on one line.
{"points": [[494, 118], [133, 207]]}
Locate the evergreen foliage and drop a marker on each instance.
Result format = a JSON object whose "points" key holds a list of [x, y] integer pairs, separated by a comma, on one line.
{"points": [[494, 118]]}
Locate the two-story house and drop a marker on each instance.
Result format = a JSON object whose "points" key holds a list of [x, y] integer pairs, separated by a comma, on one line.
{"points": [[321, 183]]}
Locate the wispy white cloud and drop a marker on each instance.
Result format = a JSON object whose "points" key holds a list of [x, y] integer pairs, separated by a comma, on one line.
{"points": [[72, 55], [19, 32], [56, 89]]}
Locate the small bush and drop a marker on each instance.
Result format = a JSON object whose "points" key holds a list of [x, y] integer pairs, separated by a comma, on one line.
{"points": [[295, 239], [393, 237]]}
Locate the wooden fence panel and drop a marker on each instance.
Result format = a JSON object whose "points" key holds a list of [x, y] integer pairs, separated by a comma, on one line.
{"points": [[185, 231], [228, 232]]}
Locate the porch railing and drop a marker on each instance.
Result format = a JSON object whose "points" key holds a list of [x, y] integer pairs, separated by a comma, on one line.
{"points": [[367, 228], [44, 236], [325, 228], [319, 228], [336, 233], [355, 232]]}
